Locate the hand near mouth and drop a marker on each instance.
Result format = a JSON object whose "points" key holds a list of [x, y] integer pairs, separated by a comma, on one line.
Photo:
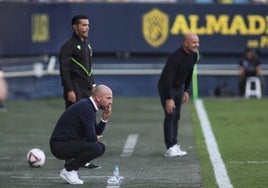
{"points": [[107, 112]]}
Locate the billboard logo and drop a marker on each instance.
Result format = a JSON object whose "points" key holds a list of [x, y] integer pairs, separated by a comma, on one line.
{"points": [[155, 27], [40, 27]]}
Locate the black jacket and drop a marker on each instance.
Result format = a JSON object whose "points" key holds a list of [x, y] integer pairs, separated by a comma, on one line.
{"points": [[78, 122], [176, 73], [76, 66]]}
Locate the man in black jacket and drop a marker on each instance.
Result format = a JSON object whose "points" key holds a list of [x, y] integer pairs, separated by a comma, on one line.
{"points": [[76, 135], [173, 88], [76, 63]]}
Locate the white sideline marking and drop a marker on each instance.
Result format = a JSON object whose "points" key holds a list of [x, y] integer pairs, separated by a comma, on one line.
{"points": [[83, 177], [130, 145], [57, 177], [214, 154], [249, 162], [31, 177]]}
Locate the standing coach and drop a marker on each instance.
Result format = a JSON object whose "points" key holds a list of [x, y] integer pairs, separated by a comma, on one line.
{"points": [[173, 88]]}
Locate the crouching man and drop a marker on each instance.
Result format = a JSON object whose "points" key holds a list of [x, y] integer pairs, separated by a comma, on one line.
{"points": [[76, 135]]}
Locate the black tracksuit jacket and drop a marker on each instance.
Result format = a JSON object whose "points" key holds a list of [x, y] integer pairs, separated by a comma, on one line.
{"points": [[177, 73], [76, 67]]}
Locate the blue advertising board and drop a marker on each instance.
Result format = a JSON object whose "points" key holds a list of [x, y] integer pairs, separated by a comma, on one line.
{"points": [[32, 28]]}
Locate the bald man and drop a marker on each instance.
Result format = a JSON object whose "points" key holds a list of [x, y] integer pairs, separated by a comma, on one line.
{"points": [[76, 135], [173, 88]]}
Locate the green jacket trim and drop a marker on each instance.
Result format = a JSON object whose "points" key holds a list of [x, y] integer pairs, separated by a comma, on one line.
{"points": [[80, 65]]}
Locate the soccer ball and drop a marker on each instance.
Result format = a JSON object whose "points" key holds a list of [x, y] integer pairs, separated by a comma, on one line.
{"points": [[36, 157]]}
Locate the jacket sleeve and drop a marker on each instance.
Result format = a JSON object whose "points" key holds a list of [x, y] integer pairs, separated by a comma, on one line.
{"points": [[87, 119], [188, 81], [167, 78], [65, 61], [100, 128], [189, 76]]}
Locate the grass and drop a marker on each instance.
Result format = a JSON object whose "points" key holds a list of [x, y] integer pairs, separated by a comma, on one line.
{"points": [[240, 128], [28, 124]]}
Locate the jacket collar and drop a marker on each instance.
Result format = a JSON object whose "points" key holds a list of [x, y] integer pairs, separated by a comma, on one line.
{"points": [[94, 104]]}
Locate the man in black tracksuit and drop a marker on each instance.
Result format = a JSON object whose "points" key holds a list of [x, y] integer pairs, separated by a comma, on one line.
{"points": [[173, 89], [76, 135], [76, 63]]}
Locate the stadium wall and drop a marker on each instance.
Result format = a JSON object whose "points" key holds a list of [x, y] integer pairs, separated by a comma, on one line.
{"points": [[33, 28], [132, 28]]}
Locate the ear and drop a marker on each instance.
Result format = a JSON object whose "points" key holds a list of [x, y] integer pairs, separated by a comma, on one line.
{"points": [[98, 98], [74, 27]]}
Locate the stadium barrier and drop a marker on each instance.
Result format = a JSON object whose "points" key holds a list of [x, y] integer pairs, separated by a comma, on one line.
{"points": [[40, 69], [37, 81]]}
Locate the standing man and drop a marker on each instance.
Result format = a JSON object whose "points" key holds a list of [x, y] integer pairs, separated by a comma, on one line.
{"points": [[76, 66], [173, 88], [76, 63], [76, 135]]}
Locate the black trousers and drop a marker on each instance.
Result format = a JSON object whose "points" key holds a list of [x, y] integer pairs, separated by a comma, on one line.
{"points": [[77, 152], [171, 121]]}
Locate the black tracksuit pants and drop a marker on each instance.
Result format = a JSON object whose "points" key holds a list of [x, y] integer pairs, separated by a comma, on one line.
{"points": [[77, 152], [171, 121]]}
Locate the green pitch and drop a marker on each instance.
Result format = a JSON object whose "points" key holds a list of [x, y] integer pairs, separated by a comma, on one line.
{"points": [[240, 128], [28, 124]]}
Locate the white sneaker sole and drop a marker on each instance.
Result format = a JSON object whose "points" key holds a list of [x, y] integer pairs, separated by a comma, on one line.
{"points": [[167, 155], [69, 181], [182, 154]]}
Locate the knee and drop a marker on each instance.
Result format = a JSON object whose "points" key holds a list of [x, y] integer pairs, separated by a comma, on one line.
{"points": [[56, 150], [173, 116], [101, 148], [170, 116]]}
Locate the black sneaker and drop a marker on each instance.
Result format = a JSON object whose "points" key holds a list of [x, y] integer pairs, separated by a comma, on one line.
{"points": [[91, 166]]}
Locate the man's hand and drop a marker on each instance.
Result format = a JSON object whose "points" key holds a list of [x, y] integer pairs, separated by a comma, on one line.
{"points": [[99, 137], [170, 105], [185, 97], [71, 96], [107, 112]]}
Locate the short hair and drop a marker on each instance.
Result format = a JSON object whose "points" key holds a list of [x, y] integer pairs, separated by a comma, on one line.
{"points": [[75, 19]]}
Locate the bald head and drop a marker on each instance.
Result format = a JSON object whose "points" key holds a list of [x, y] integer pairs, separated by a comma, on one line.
{"points": [[103, 96], [189, 36], [101, 89], [190, 42]]}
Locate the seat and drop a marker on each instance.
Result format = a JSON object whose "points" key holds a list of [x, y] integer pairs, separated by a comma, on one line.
{"points": [[253, 91]]}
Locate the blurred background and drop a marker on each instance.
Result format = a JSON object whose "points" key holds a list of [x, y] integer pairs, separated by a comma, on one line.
{"points": [[131, 40]]}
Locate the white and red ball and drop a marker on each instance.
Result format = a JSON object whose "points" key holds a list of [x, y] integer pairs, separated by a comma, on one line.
{"points": [[36, 157]]}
